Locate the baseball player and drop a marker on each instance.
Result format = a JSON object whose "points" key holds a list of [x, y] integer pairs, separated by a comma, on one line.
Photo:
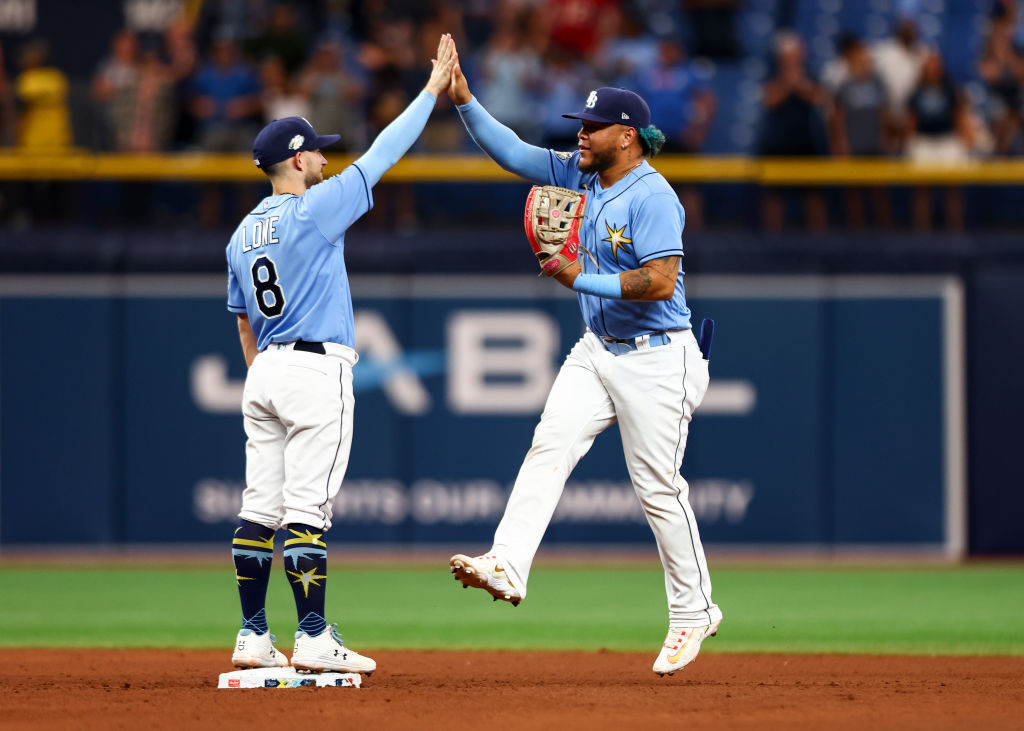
{"points": [[288, 287], [637, 363]]}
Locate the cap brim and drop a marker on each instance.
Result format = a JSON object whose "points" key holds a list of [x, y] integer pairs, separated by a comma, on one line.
{"points": [[587, 116], [323, 141]]}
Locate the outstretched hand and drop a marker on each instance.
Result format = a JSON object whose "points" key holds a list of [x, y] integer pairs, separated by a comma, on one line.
{"points": [[458, 90], [440, 76]]}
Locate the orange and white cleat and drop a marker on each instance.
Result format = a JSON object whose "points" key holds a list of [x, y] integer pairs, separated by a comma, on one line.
{"points": [[485, 572], [681, 647]]}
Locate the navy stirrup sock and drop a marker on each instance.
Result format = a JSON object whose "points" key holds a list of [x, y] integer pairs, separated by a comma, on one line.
{"points": [[305, 564], [253, 552]]}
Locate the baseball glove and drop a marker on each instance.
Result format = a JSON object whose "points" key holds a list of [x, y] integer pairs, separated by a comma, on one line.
{"points": [[552, 220]]}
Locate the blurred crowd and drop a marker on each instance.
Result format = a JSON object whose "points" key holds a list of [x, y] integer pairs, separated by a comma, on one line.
{"points": [[350, 66], [210, 83]]}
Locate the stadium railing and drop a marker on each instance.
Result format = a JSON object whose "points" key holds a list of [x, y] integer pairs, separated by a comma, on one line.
{"points": [[84, 166]]}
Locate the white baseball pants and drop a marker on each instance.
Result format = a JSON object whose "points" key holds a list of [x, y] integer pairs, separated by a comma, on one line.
{"points": [[652, 393], [297, 407]]}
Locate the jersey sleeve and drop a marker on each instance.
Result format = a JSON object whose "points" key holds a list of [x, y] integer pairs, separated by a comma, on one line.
{"points": [[338, 202], [396, 139], [658, 227], [236, 300], [539, 165], [503, 145]]}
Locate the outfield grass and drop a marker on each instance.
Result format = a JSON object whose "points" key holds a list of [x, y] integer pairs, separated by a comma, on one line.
{"points": [[921, 610]]}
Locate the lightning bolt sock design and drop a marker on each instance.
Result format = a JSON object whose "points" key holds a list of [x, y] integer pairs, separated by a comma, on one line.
{"points": [[305, 564], [253, 552]]}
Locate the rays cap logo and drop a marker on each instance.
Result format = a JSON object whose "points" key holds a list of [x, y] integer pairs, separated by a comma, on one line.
{"points": [[615, 106], [282, 138]]}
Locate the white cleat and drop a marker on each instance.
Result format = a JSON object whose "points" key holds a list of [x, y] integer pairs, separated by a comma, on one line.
{"points": [[483, 572], [327, 652], [257, 651], [681, 647]]}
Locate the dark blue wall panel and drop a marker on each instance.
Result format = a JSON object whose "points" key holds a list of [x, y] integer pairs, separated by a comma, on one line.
{"points": [[105, 439], [887, 424], [995, 360], [59, 463]]}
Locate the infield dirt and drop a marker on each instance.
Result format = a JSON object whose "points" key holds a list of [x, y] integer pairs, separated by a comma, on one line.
{"points": [[132, 689]]}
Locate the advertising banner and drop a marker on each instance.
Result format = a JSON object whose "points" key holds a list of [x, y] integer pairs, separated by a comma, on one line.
{"points": [[834, 417]]}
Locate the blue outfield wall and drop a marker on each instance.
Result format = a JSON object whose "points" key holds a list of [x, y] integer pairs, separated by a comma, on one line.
{"points": [[835, 416]]}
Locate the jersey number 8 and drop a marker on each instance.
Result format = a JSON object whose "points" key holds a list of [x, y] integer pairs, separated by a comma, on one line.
{"points": [[267, 285]]}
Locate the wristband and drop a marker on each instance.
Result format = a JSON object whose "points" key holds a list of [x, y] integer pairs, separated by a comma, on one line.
{"points": [[599, 285]]}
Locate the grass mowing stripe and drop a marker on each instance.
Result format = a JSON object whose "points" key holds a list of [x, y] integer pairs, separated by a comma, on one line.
{"points": [[962, 610]]}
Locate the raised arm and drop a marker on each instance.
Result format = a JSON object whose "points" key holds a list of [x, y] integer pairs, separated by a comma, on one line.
{"points": [[396, 139], [499, 142]]}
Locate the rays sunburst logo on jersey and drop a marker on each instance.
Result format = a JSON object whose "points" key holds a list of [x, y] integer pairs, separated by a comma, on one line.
{"points": [[616, 237]]}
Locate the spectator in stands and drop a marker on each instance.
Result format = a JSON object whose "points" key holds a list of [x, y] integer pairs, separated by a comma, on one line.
{"points": [[1010, 9], [857, 126], [939, 133], [335, 93], [225, 100], [682, 105], [141, 110], [42, 93], [280, 96], [225, 106], [578, 26], [389, 55], [240, 19], [1001, 68], [566, 81], [898, 61], [837, 69], [396, 76], [116, 73], [282, 38], [512, 75], [714, 27], [445, 16], [621, 55], [183, 57], [792, 127]]}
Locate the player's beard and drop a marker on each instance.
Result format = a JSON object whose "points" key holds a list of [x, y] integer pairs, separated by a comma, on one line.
{"points": [[312, 178], [599, 160]]}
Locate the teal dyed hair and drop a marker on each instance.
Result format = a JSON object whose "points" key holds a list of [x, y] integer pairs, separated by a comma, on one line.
{"points": [[651, 139]]}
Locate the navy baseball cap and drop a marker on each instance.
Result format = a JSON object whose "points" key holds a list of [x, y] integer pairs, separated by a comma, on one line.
{"points": [[615, 106], [282, 138]]}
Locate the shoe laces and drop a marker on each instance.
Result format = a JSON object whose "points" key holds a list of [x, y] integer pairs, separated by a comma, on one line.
{"points": [[273, 639], [335, 633], [677, 636]]}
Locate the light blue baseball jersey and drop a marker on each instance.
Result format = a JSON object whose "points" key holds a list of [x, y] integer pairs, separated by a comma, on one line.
{"points": [[286, 262], [638, 219], [286, 259]]}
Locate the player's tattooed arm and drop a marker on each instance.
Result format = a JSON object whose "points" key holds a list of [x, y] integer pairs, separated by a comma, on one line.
{"points": [[247, 338], [655, 280]]}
